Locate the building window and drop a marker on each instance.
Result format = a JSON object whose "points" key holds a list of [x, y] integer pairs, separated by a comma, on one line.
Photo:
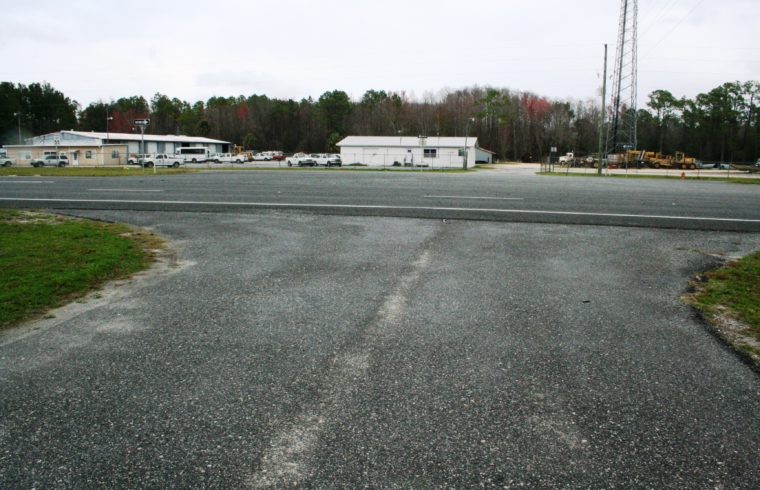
{"points": [[430, 153], [115, 154], [461, 152], [27, 155], [88, 154]]}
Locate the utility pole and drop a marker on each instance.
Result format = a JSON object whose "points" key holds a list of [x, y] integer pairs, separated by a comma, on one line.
{"points": [[602, 139], [466, 132]]}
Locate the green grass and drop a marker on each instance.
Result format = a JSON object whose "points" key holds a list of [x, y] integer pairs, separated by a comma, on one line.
{"points": [[729, 294], [731, 180], [48, 260], [90, 171], [737, 288], [344, 168]]}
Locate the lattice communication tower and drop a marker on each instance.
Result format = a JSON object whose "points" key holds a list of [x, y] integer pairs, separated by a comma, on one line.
{"points": [[621, 133]]}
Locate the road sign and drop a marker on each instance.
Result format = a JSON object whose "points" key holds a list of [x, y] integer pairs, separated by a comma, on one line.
{"points": [[554, 149], [142, 122]]}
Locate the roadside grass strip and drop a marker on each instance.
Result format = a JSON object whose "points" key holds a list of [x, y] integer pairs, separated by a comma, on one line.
{"points": [[125, 171], [345, 168], [49, 260], [729, 299], [732, 180]]}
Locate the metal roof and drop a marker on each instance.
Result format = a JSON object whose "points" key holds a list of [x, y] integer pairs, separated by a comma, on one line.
{"points": [[150, 137], [410, 141], [167, 138]]}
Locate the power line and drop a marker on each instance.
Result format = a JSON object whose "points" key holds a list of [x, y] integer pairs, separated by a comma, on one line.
{"points": [[676, 26]]}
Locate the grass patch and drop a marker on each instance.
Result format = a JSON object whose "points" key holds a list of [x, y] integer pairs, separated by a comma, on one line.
{"points": [[345, 168], [49, 260], [732, 180], [729, 298], [124, 171]]}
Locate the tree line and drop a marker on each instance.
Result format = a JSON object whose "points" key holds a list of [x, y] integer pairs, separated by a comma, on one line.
{"points": [[722, 124]]}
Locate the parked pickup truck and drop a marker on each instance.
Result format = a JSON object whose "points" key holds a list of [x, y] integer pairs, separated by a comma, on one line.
{"points": [[7, 162], [301, 160], [51, 161], [161, 160], [135, 158], [328, 160], [230, 158]]}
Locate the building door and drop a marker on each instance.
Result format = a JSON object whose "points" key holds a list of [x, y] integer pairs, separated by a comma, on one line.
{"points": [[75, 157]]}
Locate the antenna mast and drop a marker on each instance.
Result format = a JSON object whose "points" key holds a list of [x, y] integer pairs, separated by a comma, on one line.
{"points": [[621, 134]]}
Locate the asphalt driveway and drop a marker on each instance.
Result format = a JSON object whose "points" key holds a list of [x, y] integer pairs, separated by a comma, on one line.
{"points": [[336, 351]]}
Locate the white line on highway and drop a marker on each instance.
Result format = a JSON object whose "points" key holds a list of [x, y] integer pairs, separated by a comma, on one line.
{"points": [[126, 190], [380, 206], [27, 182], [478, 197]]}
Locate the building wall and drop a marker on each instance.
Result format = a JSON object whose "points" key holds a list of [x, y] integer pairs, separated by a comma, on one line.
{"points": [[383, 156], [483, 156], [85, 156], [88, 150]]}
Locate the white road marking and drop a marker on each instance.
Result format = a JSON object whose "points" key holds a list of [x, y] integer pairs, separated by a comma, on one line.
{"points": [[477, 197], [126, 190], [27, 182], [380, 206]]}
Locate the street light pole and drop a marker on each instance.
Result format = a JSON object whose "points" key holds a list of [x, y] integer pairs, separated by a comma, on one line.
{"points": [[108, 136], [108, 133], [142, 124], [18, 115]]}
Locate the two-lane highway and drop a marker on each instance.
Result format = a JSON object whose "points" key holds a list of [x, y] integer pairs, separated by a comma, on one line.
{"points": [[483, 195]]}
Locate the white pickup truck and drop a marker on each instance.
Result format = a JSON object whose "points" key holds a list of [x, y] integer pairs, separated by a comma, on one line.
{"points": [[230, 158], [301, 160], [161, 160]]}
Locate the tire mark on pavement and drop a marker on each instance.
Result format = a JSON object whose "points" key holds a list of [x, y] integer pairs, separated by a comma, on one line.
{"points": [[286, 461]]}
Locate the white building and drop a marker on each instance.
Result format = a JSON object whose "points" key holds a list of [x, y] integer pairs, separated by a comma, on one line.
{"points": [[431, 151], [91, 148]]}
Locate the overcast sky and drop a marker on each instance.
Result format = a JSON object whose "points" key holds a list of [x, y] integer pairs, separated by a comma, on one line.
{"points": [[103, 50]]}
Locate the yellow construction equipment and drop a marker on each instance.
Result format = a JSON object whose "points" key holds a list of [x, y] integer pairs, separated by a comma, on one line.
{"points": [[643, 158], [680, 160]]}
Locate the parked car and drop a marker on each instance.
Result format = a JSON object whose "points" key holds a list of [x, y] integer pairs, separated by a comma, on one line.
{"points": [[6, 162], [51, 161], [301, 160], [162, 160], [230, 158], [277, 156]]}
